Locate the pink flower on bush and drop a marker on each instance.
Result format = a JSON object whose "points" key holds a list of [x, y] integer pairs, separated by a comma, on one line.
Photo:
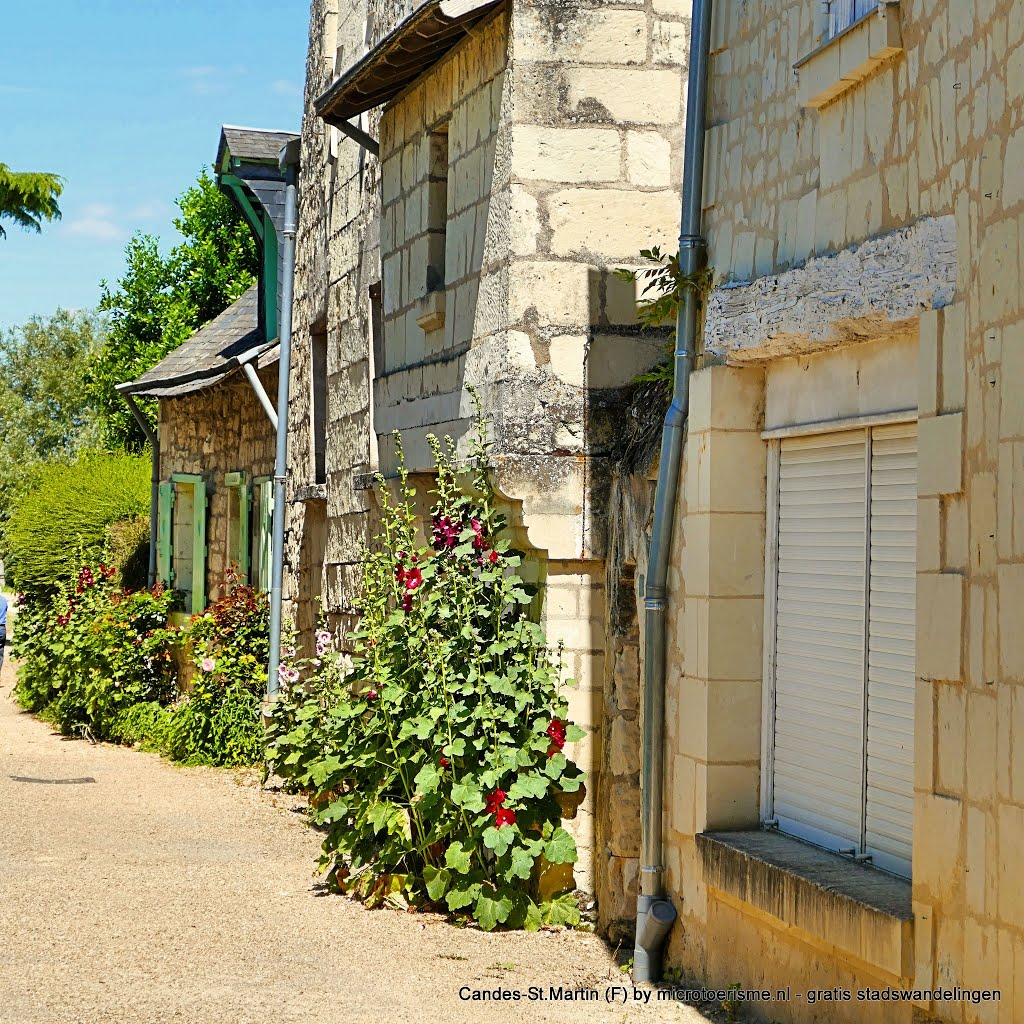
{"points": [[446, 532], [208, 664], [323, 642], [287, 674]]}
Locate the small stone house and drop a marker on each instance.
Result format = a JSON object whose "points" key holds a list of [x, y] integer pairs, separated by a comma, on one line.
{"points": [[216, 438], [473, 174], [844, 804]]}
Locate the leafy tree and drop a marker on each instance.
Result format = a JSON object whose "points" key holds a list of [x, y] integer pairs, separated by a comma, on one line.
{"points": [[28, 198], [162, 300], [43, 402]]}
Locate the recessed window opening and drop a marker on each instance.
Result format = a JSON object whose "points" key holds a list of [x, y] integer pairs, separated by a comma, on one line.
{"points": [[318, 405], [843, 521], [843, 13], [437, 208]]}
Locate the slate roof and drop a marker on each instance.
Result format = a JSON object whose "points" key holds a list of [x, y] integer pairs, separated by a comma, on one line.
{"points": [[256, 145], [410, 50], [214, 351]]}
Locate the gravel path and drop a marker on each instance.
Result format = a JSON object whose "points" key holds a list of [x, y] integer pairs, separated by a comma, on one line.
{"points": [[153, 893]]}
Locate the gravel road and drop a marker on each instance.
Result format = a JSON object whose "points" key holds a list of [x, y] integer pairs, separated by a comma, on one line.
{"points": [[132, 890]]}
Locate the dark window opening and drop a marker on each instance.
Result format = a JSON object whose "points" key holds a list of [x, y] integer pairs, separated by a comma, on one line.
{"points": [[437, 209], [318, 405]]}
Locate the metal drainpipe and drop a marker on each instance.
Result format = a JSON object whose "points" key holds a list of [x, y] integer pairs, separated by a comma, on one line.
{"points": [[655, 914], [154, 496], [290, 160]]}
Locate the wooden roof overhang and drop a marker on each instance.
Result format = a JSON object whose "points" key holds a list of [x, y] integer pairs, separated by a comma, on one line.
{"points": [[402, 56]]}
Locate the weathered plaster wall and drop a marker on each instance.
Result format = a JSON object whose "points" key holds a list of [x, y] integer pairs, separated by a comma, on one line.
{"points": [[210, 433], [938, 133]]}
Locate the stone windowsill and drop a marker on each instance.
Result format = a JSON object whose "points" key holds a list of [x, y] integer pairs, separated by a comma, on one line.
{"points": [[311, 492], [850, 56], [853, 907], [431, 310]]}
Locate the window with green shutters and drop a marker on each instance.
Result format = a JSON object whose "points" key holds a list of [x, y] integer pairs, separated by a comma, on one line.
{"points": [[239, 498], [181, 540]]}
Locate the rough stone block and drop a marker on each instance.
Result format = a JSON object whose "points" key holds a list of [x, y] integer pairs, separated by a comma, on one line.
{"points": [[626, 96], [939, 625], [542, 153], [580, 35], [1011, 620], [648, 159], [940, 454], [615, 223]]}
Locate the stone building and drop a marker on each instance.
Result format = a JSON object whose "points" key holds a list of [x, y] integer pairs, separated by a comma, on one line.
{"points": [[215, 439], [844, 805], [472, 175]]}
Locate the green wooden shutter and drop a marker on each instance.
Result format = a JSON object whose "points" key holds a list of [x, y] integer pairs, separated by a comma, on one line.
{"points": [[267, 532], [244, 501], [199, 547], [165, 512]]}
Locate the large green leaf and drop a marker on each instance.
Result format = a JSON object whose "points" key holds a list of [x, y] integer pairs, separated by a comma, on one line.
{"points": [[560, 848], [437, 880], [491, 912], [457, 857]]}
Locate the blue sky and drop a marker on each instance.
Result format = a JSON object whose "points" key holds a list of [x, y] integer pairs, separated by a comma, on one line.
{"points": [[125, 99]]}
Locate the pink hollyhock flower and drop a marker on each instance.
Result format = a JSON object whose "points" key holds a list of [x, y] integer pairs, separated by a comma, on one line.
{"points": [[208, 664], [287, 675]]}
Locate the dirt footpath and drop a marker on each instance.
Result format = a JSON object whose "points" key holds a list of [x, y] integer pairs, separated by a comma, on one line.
{"points": [[135, 891]]}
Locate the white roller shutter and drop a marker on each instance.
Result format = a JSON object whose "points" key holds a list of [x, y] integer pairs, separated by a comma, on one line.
{"points": [[843, 658], [819, 643], [891, 647]]}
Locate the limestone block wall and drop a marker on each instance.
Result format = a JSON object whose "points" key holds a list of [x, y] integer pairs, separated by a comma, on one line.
{"points": [[553, 181], [444, 168], [212, 432], [936, 131]]}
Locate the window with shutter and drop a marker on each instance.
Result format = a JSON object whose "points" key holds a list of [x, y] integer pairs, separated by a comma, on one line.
{"points": [[188, 540], [842, 641], [238, 523]]}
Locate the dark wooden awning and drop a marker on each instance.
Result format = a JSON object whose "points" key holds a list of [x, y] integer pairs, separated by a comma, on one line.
{"points": [[414, 47]]}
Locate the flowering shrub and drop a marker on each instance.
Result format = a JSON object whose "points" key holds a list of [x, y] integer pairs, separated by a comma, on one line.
{"points": [[93, 651], [98, 661], [219, 722], [434, 754]]}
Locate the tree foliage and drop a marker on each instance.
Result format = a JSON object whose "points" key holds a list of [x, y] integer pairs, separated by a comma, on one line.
{"points": [[162, 300], [28, 198], [43, 402]]}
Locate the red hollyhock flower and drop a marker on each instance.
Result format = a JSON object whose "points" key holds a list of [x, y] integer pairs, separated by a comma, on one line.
{"points": [[556, 730], [503, 816], [444, 762], [492, 557], [371, 694], [495, 800], [413, 578], [406, 603]]}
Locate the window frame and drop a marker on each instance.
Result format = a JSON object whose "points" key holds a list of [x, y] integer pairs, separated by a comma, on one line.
{"points": [[774, 440], [200, 509]]}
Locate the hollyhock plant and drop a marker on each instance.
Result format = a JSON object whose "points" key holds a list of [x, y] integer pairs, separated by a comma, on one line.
{"points": [[432, 748], [208, 664]]}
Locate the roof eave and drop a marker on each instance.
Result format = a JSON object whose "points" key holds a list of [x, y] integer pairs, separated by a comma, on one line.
{"points": [[409, 51]]}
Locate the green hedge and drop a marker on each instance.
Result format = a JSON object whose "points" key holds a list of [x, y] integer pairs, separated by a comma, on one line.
{"points": [[64, 519]]}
